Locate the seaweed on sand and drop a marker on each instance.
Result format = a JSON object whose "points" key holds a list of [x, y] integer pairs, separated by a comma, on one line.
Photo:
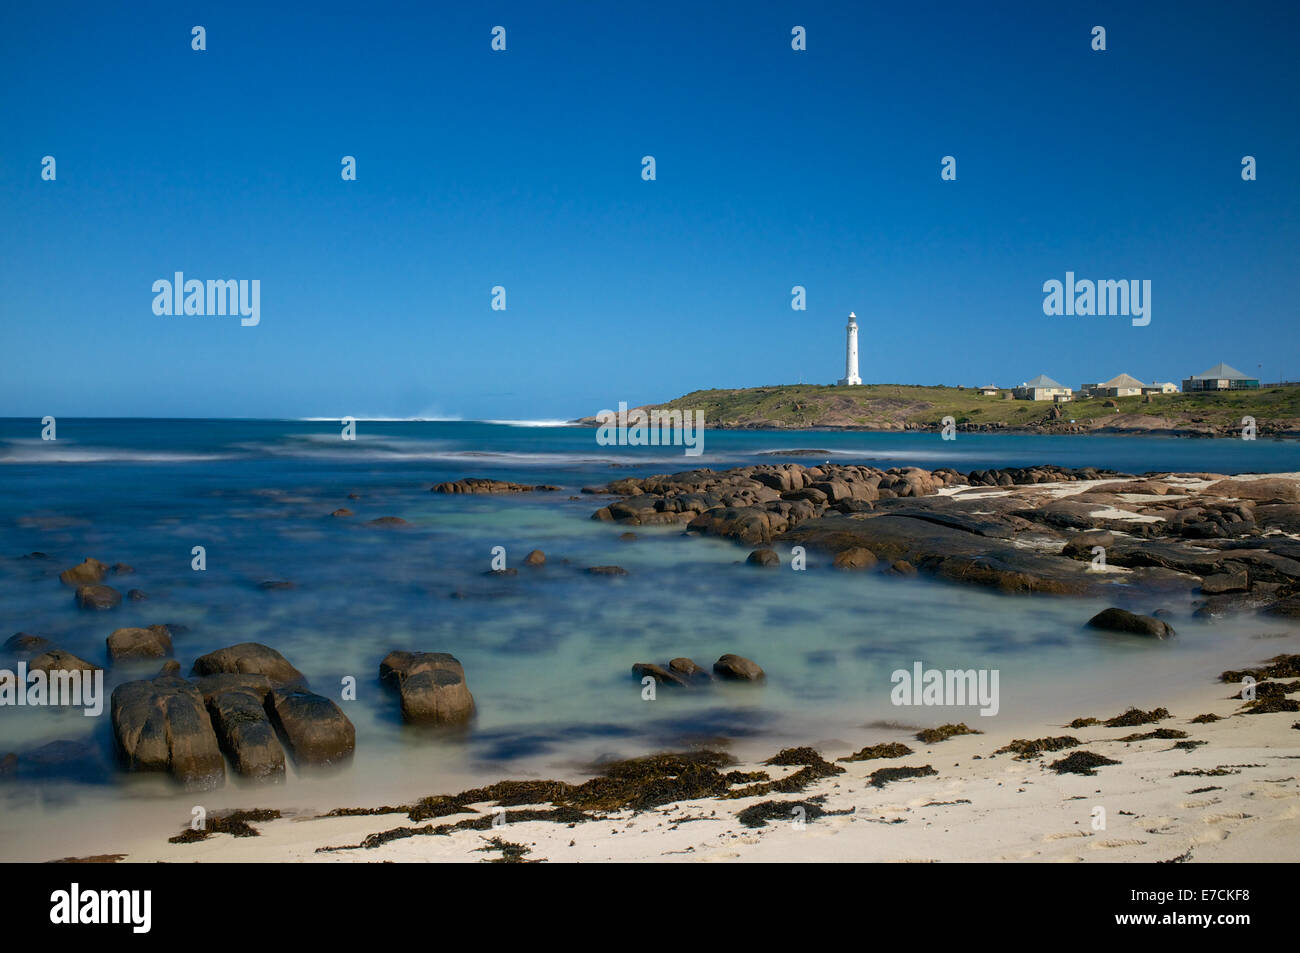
{"points": [[480, 822], [636, 784], [882, 776], [932, 736], [1025, 749], [1205, 719], [1270, 704], [1136, 716], [1275, 689], [510, 853], [814, 768], [757, 815], [236, 824], [871, 752], [1279, 666], [1167, 734], [1081, 762], [1216, 772], [1084, 722]]}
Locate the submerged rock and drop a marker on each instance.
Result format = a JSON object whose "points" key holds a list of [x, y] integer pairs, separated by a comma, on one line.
{"points": [[57, 660], [1120, 620], [162, 725], [687, 669], [535, 558], [431, 686], [24, 646], [738, 668], [152, 642], [98, 597], [86, 573], [660, 674], [764, 557], [606, 571], [484, 485]]}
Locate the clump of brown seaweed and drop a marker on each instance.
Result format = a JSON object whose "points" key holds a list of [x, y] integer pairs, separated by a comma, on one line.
{"points": [[891, 750], [934, 735], [1081, 762], [1025, 749], [236, 824]]}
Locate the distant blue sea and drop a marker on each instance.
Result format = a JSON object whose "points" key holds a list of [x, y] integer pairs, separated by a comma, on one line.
{"points": [[547, 654]]}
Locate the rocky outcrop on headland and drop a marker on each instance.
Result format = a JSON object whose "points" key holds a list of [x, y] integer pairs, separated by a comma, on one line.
{"points": [[1032, 529]]}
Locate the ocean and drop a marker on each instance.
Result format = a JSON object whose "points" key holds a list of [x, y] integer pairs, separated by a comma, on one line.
{"points": [[548, 653]]}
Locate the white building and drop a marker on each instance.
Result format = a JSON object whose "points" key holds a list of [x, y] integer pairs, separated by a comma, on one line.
{"points": [[1159, 387], [1042, 387], [851, 377], [1123, 385]]}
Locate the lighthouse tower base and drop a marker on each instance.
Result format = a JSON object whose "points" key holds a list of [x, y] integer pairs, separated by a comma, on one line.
{"points": [[853, 381]]}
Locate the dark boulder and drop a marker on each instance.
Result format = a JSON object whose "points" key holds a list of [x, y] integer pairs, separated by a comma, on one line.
{"points": [[162, 725], [687, 669], [660, 674], [98, 597], [153, 642], [738, 668], [1120, 620], [431, 686], [764, 557], [251, 658], [25, 646], [57, 660], [316, 730], [86, 573], [245, 733]]}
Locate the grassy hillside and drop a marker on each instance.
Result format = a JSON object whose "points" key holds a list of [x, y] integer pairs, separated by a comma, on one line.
{"points": [[897, 407]]}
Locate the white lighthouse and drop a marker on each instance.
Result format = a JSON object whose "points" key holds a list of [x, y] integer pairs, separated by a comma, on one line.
{"points": [[851, 377]]}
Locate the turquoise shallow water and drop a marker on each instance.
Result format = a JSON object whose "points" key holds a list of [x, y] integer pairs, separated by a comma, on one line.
{"points": [[547, 654]]}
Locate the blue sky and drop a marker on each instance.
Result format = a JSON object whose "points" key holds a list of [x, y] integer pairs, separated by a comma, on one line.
{"points": [[523, 169]]}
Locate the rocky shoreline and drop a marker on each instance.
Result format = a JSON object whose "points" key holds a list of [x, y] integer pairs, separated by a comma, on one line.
{"points": [[1219, 544], [1234, 542]]}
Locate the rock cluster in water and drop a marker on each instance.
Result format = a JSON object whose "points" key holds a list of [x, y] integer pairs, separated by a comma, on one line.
{"points": [[1033, 529]]}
